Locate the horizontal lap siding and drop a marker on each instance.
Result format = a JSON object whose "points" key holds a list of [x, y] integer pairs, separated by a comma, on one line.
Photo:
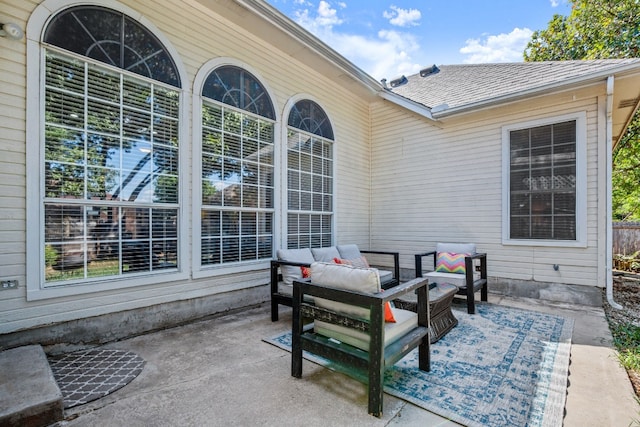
{"points": [[444, 183], [198, 37], [12, 158]]}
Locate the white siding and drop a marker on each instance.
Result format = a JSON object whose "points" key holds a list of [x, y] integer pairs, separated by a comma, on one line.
{"points": [[198, 37], [444, 183], [402, 183]]}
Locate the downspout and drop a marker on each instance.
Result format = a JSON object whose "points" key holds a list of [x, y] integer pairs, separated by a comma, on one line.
{"points": [[609, 214]]}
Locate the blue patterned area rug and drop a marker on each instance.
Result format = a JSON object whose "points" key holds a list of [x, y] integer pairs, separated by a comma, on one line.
{"points": [[500, 367]]}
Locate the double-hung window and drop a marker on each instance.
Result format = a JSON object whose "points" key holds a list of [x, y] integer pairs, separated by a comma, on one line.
{"points": [[110, 178], [309, 177], [237, 206], [544, 181]]}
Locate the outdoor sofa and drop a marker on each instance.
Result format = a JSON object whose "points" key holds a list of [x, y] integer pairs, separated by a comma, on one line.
{"points": [[287, 268]]}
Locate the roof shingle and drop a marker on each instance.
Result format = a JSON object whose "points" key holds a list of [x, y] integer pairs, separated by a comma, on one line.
{"points": [[461, 85]]}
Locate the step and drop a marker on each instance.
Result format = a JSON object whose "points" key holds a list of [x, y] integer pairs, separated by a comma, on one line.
{"points": [[29, 395]]}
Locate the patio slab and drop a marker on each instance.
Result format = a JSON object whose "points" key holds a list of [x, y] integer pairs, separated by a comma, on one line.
{"points": [[219, 372]]}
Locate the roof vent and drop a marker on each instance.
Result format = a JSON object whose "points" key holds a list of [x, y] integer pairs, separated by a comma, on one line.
{"points": [[398, 82], [429, 70]]}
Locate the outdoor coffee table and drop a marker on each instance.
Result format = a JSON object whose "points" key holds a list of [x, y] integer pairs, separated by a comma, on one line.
{"points": [[440, 298]]}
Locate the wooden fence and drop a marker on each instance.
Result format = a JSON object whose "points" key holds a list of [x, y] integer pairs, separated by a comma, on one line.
{"points": [[626, 244], [626, 237]]}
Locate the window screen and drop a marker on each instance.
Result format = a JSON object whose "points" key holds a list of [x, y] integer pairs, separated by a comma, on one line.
{"points": [[543, 182]]}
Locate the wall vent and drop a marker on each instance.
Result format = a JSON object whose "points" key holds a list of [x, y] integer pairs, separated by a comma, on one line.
{"points": [[627, 103]]}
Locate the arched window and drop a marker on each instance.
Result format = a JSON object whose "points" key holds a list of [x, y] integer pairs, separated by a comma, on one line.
{"points": [[236, 87], [309, 117], [111, 127], [237, 168], [309, 176], [113, 38]]}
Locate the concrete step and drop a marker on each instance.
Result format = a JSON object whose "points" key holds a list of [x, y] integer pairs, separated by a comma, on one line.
{"points": [[29, 394]]}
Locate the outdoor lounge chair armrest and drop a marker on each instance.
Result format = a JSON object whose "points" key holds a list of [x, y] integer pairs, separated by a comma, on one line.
{"points": [[483, 263], [275, 265], [279, 262], [418, 264], [396, 261], [405, 288], [355, 297]]}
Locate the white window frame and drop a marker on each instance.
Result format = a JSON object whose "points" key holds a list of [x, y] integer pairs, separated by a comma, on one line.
{"points": [[203, 271], [284, 194], [35, 136], [581, 181]]}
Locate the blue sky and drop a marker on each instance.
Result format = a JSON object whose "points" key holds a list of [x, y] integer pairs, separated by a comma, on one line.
{"points": [[389, 38]]}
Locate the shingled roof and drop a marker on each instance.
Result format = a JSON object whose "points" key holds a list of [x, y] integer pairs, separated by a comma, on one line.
{"points": [[454, 87]]}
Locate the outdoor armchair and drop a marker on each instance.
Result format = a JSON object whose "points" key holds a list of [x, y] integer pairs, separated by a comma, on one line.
{"points": [[349, 324], [457, 264]]}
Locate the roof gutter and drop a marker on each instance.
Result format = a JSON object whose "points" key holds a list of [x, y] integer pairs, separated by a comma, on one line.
{"points": [[563, 84], [410, 105], [609, 189]]}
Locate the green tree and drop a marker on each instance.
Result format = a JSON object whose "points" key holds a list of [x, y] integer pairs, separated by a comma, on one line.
{"points": [[601, 29], [595, 29]]}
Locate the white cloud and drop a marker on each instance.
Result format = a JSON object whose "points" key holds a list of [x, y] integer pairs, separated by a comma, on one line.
{"points": [[402, 17], [388, 54], [326, 17], [497, 48], [554, 3]]}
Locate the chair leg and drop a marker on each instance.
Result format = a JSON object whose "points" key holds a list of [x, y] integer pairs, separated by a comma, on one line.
{"points": [[274, 310], [483, 292], [424, 355], [296, 363], [376, 389], [471, 304], [296, 335]]}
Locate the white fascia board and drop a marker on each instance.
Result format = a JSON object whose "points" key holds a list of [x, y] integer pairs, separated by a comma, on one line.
{"points": [[279, 20], [600, 76]]}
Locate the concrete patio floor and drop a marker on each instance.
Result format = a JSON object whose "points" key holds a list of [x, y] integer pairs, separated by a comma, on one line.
{"points": [[218, 372]]}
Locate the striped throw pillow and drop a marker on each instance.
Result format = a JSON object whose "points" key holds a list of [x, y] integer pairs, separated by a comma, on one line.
{"points": [[448, 262]]}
